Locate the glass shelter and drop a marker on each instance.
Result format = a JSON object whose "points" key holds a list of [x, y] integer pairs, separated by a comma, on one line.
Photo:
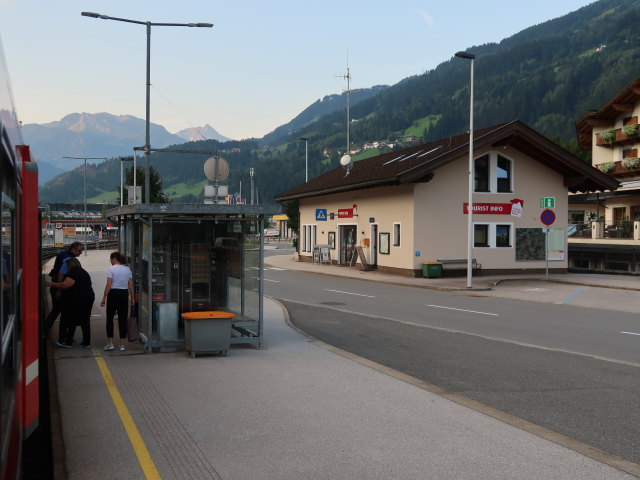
{"points": [[194, 258]]}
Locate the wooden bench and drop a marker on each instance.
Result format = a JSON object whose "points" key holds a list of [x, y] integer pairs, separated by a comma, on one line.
{"points": [[458, 264]]}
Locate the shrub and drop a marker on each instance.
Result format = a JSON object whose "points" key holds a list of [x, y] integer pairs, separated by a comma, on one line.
{"points": [[608, 136], [632, 163], [630, 130], [607, 167]]}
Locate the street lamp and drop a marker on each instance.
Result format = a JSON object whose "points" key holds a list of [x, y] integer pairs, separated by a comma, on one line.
{"points": [[252, 172], [469, 56], [85, 192], [306, 157], [147, 140]]}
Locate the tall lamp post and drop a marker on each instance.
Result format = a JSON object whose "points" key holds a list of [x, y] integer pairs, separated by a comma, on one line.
{"points": [[306, 157], [147, 140], [469, 56], [85, 192]]}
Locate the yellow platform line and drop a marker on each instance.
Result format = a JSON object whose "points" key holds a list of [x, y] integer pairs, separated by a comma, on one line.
{"points": [[146, 463]]}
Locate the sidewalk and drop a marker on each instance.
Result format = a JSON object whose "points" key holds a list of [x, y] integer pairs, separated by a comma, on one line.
{"points": [[294, 410]]}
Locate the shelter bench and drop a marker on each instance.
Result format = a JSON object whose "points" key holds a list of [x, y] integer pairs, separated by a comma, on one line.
{"points": [[458, 264]]}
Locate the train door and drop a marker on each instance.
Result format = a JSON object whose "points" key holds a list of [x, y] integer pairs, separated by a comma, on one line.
{"points": [[348, 236]]}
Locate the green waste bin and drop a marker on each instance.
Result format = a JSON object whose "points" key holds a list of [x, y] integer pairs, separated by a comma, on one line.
{"points": [[432, 269]]}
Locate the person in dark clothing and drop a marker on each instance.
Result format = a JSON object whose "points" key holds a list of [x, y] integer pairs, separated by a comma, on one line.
{"points": [[76, 303], [75, 249]]}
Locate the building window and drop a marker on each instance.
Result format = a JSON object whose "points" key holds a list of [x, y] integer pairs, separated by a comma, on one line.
{"points": [[396, 234], [308, 237], [492, 235], [503, 235], [493, 173], [482, 174], [481, 235], [503, 174]]}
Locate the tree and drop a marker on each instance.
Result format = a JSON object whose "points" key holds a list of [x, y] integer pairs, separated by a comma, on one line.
{"points": [[157, 195], [291, 209]]}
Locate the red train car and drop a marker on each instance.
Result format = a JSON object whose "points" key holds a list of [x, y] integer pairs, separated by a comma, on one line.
{"points": [[19, 298]]}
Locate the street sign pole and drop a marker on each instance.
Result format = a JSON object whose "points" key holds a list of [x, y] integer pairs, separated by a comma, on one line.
{"points": [[546, 254]]}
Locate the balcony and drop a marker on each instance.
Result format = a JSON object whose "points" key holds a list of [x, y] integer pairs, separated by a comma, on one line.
{"points": [[627, 135], [625, 232]]}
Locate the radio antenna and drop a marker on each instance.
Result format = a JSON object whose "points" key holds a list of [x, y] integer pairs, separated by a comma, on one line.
{"points": [[345, 161]]}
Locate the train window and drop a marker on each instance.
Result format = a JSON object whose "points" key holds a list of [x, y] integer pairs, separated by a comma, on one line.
{"points": [[8, 305]]}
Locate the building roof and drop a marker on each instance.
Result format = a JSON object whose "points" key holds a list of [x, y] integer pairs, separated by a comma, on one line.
{"points": [[624, 101], [418, 163]]}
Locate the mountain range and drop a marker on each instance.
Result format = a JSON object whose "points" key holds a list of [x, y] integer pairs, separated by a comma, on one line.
{"points": [[547, 76], [98, 135]]}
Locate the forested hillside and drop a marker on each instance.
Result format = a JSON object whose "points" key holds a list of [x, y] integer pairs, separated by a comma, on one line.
{"points": [[547, 76]]}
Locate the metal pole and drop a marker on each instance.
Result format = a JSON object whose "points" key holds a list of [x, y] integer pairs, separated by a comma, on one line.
{"points": [[470, 219], [121, 184], [85, 205], [147, 139], [306, 160], [469, 56]]}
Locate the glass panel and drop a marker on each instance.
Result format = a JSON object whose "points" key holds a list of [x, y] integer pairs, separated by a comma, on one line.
{"points": [[481, 172], [481, 235], [503, 235], [8, 327], [251, 271], [503, 173], [8, 271], [396, 234]]}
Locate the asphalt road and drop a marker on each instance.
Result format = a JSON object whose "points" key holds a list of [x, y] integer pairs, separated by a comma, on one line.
{"points": [[587, 399], [512, 355], [590, 331]]}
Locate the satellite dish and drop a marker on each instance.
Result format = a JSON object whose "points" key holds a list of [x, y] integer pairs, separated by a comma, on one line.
{"points": [[216, 169], [345, 160]]}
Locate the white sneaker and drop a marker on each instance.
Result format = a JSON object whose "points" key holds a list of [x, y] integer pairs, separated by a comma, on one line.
{"points": [[122, 349], [109, 346]]}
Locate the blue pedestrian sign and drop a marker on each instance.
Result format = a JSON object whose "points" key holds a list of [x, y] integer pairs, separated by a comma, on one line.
{"points": [[321, 214]]}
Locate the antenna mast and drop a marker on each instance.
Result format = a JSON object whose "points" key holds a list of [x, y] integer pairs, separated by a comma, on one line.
{"points": [[346, 158]]}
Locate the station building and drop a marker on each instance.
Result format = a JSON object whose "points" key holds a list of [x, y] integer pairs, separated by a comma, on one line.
{"points": [[407, 207]]}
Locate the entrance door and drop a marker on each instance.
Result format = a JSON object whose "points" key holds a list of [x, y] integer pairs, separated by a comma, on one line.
{"points": [[373, 252], [348, 236]]}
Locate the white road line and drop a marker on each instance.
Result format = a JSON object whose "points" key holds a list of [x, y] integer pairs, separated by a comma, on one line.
{"points": [[269, 280], [630, 333], [348, 293], [462, 310], [275, 268]]}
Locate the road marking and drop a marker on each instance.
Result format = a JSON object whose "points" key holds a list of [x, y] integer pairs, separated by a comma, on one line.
{"points": [[575, 294], [274, 268], [630, 333], [462, 310], [144, 458], [269, 280], [349, 293]]}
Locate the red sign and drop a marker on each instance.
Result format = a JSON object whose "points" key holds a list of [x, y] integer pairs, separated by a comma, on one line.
{"points": [[514, 207], [547, 217], [345, 212]]}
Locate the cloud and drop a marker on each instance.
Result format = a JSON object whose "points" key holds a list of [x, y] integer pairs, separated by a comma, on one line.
{"points": [[427, 17]]}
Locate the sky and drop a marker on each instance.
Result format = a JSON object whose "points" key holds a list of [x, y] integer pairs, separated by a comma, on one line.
{"points": [[259, 66]]}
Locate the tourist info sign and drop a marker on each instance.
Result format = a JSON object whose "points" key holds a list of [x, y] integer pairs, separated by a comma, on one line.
{"points": [[547, 202]]}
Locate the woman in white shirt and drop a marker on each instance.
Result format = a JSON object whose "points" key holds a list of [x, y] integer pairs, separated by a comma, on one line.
{"points": [[117, 295]]}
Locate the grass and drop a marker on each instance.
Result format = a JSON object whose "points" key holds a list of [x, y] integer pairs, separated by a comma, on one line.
{"points": [[418, 127], [181, 189]]}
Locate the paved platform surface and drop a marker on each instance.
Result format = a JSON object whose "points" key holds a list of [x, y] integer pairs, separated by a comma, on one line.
{"points": [[293, 410]]}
